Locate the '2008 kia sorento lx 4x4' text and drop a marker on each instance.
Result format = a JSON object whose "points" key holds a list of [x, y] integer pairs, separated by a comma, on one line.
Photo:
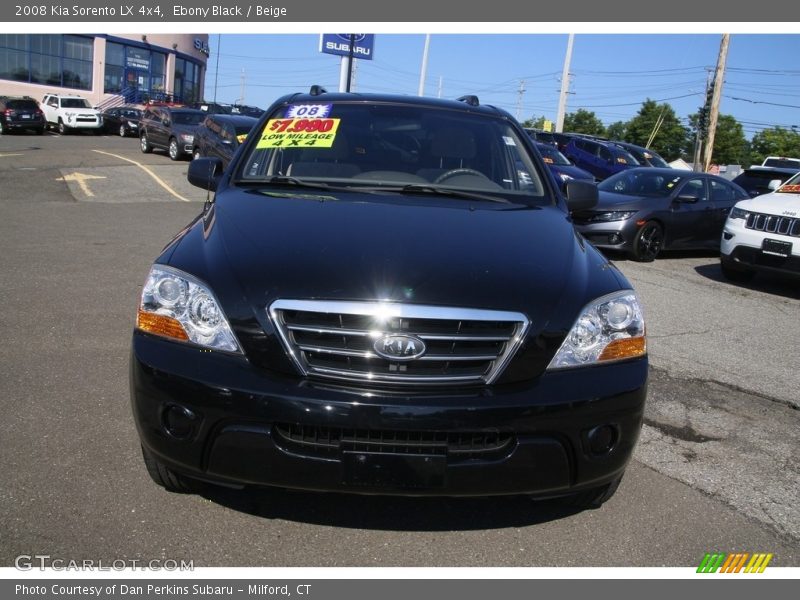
{"points": [[386, 295]]}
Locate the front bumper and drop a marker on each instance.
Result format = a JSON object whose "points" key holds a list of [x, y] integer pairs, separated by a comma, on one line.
{"points": [[242, 426], [612, 235], [741, 249]]}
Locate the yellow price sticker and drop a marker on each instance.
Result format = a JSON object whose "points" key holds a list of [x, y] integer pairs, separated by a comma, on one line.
{"points": [[299, 133]]}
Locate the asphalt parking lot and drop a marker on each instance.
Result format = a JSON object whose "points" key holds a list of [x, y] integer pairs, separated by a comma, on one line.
{"points": [[81, 219]]}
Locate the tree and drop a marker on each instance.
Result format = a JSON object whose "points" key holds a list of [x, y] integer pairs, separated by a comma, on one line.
{"points": [[537, 123], [671, 138], [776, 141], [730, 145], [584, 121], [617, 131]]}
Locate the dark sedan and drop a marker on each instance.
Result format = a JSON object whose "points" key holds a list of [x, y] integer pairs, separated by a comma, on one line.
{"points": [[122, 120], [220, 135], [645, 210]]}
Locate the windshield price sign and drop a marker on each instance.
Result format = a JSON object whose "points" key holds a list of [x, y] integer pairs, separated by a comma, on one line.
{"points": [[299, 132]]}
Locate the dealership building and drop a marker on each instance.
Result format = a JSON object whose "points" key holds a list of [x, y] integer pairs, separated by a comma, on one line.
{"points": [[138, 67]]}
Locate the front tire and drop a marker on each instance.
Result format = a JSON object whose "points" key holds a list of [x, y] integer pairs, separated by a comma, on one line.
{"points": [[166, 477], [648, 242], [144, 145], [122, 132], [62, 129], [174, 150]]}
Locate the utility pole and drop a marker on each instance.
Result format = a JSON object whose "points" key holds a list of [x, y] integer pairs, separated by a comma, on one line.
{"points": [[441, 82], [520, 94], [702, 125], [562, 101], [424, 69], [719, 76]]}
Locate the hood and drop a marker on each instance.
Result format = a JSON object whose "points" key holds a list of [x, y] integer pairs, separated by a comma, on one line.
{"points": [[445, 252], [572, 171], [775, 203], [611, 201]]}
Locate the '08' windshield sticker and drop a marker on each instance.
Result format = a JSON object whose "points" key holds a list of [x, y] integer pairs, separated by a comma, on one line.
{"points": [[299, 133], [309, 111]]}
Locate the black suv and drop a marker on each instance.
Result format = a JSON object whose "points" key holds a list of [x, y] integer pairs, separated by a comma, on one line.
{"points": [[386, 295], [20, 114], [169, 128], [220, 135]]}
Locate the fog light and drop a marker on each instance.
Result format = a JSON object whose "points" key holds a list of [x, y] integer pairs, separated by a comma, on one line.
{"points": [[179, 421], [615, 238], [727, 236], [602, 439]]}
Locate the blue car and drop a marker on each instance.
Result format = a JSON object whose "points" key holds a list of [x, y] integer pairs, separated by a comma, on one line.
{"points": [[560, 166], [601, 158]]}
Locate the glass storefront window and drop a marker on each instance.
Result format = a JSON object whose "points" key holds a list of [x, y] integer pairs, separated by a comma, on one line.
{"points": [[61, 60]]}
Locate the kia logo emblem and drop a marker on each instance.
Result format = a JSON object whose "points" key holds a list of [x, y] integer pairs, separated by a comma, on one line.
{"points": [[399, 347]]}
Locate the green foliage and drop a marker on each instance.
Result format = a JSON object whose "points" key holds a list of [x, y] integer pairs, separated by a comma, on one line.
{"points": [[617, 131], [535, 123], [671, 138], [730, 145], [584, 121], [776, 141]]}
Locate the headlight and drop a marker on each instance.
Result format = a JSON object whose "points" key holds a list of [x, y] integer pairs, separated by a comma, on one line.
{"points": [[565, 177], [606, 217], [737, 213], [176, 305], [188, 139], [610, 328], [132, 125]]}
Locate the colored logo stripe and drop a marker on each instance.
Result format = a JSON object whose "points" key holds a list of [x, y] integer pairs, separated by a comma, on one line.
{"points": [[733, 563]]}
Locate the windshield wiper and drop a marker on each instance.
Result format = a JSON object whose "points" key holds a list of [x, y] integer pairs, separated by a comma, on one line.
{"points": [[417, 188]]}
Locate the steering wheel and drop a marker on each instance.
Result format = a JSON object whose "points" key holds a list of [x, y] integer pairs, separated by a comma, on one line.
{"points": [[456, 172]]}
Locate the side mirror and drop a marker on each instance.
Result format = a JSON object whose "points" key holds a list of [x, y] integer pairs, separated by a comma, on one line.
{"points": [[581, 195], [205, 173], [687, 199], [774, 184]]}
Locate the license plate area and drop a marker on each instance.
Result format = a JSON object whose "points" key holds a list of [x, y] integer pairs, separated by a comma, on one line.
{"points": [[776, 248], [371, 469]]}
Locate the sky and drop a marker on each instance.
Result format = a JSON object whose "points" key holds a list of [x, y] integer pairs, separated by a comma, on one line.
{"points": [[612, 74]]}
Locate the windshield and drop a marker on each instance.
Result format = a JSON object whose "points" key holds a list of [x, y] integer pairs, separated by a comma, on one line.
{"points": [[187, 118], [792, 186], [385, 145], [640, 182], [648, 157], [130, 113], [74, 103], [623, 157], [551, 155], [782, 163]]}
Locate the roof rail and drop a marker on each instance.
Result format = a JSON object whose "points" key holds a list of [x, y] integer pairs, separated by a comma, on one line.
{"points": [[469, 99], [317, 90]]}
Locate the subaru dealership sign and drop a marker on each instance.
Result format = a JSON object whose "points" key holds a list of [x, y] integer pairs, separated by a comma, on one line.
{"points": [[339, 43]]}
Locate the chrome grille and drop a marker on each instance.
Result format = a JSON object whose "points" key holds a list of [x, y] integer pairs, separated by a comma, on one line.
{"points": [[329, 441], [336, 340], [773, 224]]}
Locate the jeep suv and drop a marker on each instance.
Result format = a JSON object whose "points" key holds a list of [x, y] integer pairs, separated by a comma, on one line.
{"points": [[170, 128], [386, 295], [763, 234], [69, 113], [20, 114]]}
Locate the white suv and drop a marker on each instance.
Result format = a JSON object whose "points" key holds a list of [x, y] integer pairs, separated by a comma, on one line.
{"points": [[763, 234], [66, 113]]}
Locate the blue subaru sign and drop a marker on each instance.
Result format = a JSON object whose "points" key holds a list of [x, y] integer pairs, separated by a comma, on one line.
{"points": [[339, 43]]}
